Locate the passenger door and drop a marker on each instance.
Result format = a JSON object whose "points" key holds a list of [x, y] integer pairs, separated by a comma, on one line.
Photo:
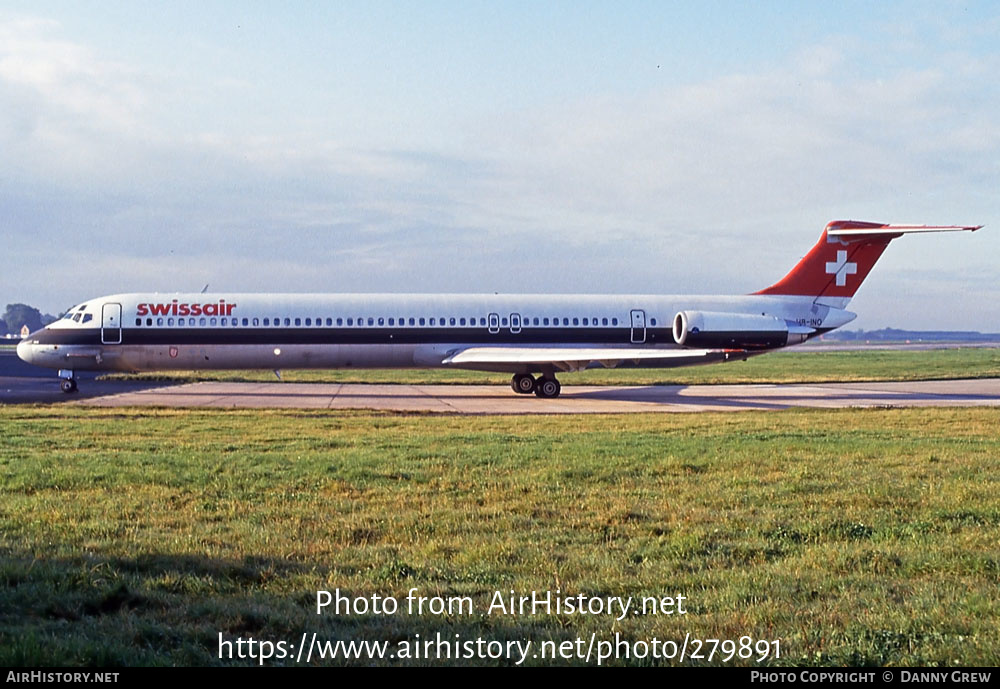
{"points": [[111, 324], [638, 326]]}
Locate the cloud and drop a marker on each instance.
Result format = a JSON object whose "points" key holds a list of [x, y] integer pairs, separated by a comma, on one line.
{"points": [[716, 186]]}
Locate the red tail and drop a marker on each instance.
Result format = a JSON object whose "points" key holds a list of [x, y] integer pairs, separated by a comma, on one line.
{"points": [[844, 255]]}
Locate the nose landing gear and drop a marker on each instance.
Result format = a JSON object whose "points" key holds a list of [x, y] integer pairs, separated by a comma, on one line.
{"points": [[68, 383]]}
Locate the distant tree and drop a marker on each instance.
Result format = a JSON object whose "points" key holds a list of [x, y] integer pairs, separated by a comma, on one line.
{"points": [[3, 327], [48, 318], [21, 314]]}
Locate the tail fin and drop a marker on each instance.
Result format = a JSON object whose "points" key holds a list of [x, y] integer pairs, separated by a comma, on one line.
{"points": [[842, 258]]}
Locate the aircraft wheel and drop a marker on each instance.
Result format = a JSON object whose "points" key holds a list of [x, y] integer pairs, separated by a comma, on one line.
{"points": [[68, 385], [523, 383], [548, 388]]}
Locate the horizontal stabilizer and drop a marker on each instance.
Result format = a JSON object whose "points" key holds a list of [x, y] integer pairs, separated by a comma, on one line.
{"points": [[895, 230]]}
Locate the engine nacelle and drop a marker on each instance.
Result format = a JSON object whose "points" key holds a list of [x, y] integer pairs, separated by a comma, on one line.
{"points": [[715, 330]]}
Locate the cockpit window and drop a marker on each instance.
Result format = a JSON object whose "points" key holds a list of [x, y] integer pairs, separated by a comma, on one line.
{"points": [[76, 317], [87, 317], [81, 307]]}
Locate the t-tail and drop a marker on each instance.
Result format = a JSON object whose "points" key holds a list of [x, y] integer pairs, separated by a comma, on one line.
{"points": [[842, 258]]}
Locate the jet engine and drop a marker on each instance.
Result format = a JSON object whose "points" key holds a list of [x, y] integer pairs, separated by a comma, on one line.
{"points": [[715, 330]]}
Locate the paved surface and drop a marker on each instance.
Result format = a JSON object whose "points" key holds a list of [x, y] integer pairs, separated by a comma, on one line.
{"points": [[21, 383], [498, 399], [38, 390]]}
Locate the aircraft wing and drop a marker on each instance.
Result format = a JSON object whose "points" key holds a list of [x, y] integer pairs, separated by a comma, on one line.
{"points": [[579, 358]]}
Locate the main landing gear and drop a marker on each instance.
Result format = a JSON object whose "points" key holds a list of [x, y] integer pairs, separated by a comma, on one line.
{"points": [[525, 384], [68, 382]]}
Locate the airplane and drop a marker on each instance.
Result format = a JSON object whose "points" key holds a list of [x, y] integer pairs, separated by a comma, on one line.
{"points": [[532, 337]]}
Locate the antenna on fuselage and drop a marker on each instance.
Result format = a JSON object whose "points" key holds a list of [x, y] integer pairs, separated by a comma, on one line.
{"points": [[205, 288]]}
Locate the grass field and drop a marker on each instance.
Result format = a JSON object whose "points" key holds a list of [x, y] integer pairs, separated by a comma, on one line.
{"points": [[855, 537], [778, 367]]}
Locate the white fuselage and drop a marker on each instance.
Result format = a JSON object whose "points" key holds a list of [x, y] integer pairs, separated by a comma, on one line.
{"points": [[147, 332]]}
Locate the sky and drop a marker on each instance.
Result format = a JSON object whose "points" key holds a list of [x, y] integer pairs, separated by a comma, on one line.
{"points": [[554, 147]]}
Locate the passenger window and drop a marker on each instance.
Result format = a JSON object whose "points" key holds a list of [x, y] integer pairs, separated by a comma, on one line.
{"points": [[461, 321], [371, 321], [201, 322], [159, 321], [350, 321], [432, 322], [565, 321], [381, 321], [412, 322], [652, 321], [340, 321], [422, 322], [604, 321], [298, 321], [138, 321], [309, 321], [246, 322], [392, 321], [149, 321], [614, 321], [329, 322], [256, 322], [288, 321], [170, 321], [503, 321], [585, 321]]}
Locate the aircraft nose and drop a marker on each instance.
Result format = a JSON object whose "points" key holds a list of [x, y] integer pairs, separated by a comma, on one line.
{"points": [[24, 351]]}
